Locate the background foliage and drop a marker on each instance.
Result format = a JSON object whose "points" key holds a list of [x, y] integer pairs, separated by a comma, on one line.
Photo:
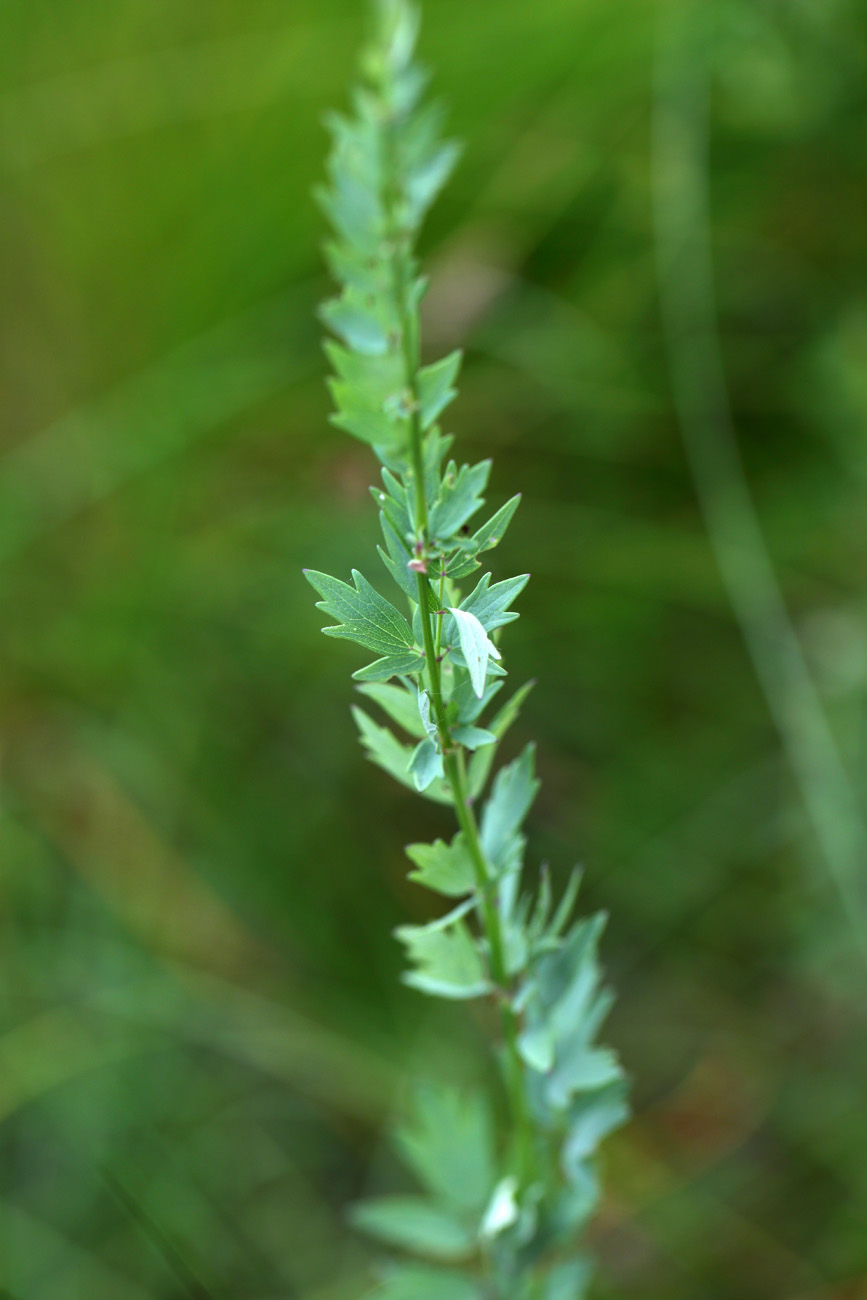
{"points": [[202, 1026]]}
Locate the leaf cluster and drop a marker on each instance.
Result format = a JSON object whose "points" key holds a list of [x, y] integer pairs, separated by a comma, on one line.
{"points": [[491, 1218]]}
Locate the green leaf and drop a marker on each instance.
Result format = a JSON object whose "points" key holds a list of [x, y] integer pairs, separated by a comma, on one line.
{"points": [[383, 748], [376, 428], [514, 791], [426, 764], [592, 1117], [461, 566], [414, 1282], [436, 387], [503, 1210], [480, 764], [446, 868], [568, 1281], [449, 1145], [366, 617], [427, 178], [536, 1046], [491, 533], [490, 604], [397, 665], [371, 378], [400, 704], [473, 737], [467, 706], [459, 497], [476, 647], [580, 1069], [366, 325], [447, 961], [414, 1223], [430, 727]]}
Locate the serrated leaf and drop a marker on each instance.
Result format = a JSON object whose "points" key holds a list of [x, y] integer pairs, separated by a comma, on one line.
{"points": [[415, 1282], [447, 961], [390, 666], [476, 647], [490, 604], [459, 497], [435, 386], [491, 533], [426, 764], [415, 1224], [446, 868], [449, 1145], [366, 617], [400, 704], [514, 791]]}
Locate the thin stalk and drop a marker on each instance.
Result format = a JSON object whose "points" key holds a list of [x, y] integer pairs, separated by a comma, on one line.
{"points": [[453, 760]]}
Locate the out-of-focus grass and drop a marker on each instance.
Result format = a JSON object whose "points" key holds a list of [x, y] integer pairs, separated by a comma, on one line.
{"points": [[201, 1028]]}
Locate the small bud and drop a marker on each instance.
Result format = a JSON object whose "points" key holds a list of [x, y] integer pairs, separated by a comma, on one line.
{"points": [[418, 566]]}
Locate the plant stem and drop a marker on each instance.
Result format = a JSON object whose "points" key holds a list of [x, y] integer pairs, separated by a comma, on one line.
{"points": [[453, 759]]}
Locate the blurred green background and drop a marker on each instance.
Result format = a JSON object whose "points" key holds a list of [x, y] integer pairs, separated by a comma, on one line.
{"points": [[202, 1030]]}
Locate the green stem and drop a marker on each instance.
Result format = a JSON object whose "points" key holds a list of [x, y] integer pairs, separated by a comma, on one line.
{"points": [[453, 760]]}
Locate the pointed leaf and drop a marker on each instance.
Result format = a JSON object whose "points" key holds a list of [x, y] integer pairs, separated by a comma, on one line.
{"points": [[491, 533], [459, 498], [415, 1224], [476, 646], [436, 387], [490, 604], [514, 791], [398, 665], [473, 737]]}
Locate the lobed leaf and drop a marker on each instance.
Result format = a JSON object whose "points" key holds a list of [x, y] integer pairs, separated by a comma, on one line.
{"points": [[446, 958], [449, 1145], [446, 868], [490, 604], [366, 617]]}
